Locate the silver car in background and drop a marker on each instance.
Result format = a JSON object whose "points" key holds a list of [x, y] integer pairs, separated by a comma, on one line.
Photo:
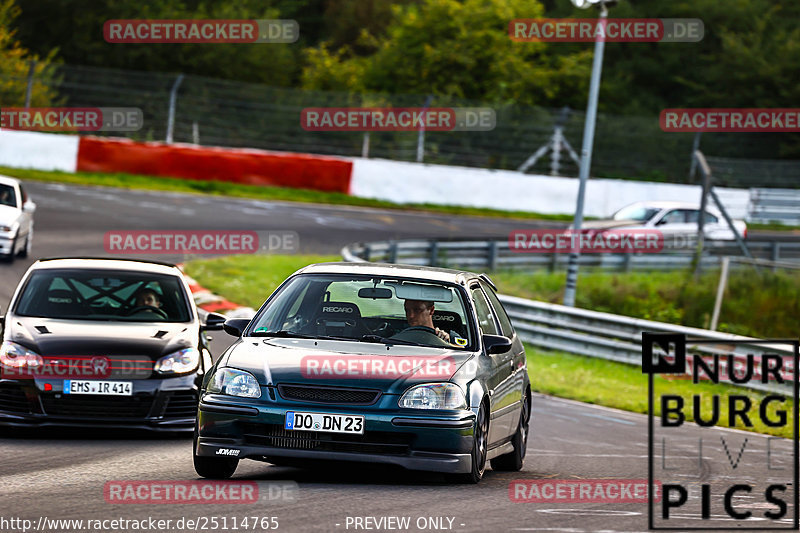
{"points": [[16, 219], [670, 218]]}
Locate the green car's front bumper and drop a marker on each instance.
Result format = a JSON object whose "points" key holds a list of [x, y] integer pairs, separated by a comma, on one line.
{"points": [[437, 441]]}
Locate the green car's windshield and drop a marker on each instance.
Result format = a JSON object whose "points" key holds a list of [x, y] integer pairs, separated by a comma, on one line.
{"points": [[368, 309]]}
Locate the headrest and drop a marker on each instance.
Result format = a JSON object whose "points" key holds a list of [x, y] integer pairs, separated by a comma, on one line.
{"points": [[451, 319], [339, 309], [60, 296]]}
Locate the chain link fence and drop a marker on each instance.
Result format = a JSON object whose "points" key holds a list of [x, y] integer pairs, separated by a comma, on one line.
{"points": [[218, 112]]}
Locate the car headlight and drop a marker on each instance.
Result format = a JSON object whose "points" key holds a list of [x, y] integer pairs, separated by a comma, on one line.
{"points": [[179, 362], [17, 356], [234, 382], [434, 396], [12, 228]]}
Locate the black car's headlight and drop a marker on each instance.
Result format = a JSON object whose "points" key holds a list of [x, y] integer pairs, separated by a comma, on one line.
{"points": [[434, 396], [17, 356], [234, 382], [180, 362]]}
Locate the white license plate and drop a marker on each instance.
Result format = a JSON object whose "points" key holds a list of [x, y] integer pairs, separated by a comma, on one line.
{"points": [[325, 422], [108, 388]]}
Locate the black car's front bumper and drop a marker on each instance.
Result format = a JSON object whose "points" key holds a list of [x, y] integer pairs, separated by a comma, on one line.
{"points": [[436, 442], [168, 404]]}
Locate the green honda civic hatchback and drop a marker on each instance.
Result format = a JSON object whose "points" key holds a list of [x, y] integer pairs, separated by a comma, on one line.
{"points": [[413, 366]]}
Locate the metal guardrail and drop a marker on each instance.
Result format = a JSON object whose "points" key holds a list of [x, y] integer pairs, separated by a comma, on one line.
{"points": [[596, 334], [774, 205], [494, 255], [618, 338]]}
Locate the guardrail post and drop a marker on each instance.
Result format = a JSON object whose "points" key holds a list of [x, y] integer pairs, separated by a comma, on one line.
{"points": [[776, 252], [367, 251], [393, 251], [553, 262], [492, 259], [173, 95], [434, 253], [626, 264]]}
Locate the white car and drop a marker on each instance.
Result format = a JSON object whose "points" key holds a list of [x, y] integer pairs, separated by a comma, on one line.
{"points": [[671, 218], [16, 219]]}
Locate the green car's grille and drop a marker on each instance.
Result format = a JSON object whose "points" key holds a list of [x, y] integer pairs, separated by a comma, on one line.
{"points": [[378, 442], [331, 395]]}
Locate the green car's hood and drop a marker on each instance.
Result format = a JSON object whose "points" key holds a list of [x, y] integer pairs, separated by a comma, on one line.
{"points": [[345, 364]]}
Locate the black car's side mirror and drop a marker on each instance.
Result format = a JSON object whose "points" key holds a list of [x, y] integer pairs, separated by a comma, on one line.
{"points": [[496, 344], [214, 321], [235, 326]]}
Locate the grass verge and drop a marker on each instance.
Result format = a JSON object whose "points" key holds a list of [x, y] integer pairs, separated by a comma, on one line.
{"points": [[249, 280], [283, 194], [756, 303], [622, 386]]}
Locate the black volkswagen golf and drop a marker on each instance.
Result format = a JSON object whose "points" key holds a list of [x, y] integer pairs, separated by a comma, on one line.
{"points": [[103, 343], [412, 366]]}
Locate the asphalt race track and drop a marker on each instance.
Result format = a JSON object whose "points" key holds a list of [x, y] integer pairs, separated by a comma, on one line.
{"points": [[60, 474]]}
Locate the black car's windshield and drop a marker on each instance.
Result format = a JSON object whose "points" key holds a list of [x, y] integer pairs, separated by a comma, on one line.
{"points": [[94, 294], [367, 309]]}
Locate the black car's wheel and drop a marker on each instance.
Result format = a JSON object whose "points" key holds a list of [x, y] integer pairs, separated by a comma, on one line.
{"points": [[26, 249], [512, 462], [479, 446], [213, 467]]}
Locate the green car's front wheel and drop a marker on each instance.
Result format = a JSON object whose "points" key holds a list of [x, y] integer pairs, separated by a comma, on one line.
{"points": [[480, 444]]}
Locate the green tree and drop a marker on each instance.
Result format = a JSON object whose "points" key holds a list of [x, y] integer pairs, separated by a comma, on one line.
{"points": [[453, 48], [76, 27], [15, 61]]}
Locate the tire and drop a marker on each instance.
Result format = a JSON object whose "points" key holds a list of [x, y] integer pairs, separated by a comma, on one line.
{"points": [[512, 462], [9, 257], [213, 467], [479, 447], [26, 249]]}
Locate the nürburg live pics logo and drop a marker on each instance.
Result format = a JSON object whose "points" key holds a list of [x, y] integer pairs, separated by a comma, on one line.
{"points": [[712, 477]]}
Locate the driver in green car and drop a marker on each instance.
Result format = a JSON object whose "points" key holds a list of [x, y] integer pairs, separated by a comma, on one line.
{"points": [[419, 314]]}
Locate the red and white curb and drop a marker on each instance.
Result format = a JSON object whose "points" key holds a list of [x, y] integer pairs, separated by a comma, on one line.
{"points": [[214, 303]]}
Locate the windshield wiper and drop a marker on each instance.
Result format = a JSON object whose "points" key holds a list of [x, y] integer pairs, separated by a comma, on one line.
{"points": [[286, 334], [385, 340]]}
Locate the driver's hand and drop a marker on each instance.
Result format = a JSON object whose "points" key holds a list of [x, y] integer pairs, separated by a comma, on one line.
{"points": [[442, 334]]}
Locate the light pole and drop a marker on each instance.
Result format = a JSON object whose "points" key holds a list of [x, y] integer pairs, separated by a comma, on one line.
{"points": [[588, 142]]}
